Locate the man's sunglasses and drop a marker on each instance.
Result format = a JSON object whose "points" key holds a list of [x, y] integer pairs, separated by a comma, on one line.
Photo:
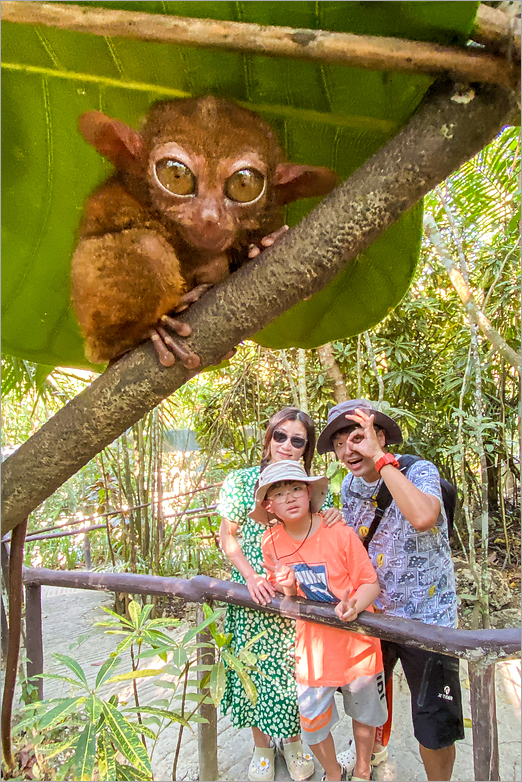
{"points": [[282, 437]]}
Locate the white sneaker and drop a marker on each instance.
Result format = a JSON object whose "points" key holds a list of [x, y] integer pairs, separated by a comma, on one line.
{"points": [[262, 766], [349, 757]]}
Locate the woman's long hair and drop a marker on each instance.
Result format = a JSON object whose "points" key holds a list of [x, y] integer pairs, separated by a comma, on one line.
{"points": [[290, 414]]}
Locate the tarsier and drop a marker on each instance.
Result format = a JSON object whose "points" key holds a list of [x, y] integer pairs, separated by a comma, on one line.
{"points": [[194, 194]]}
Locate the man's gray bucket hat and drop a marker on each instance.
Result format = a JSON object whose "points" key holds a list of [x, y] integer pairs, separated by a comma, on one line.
{"points": [[337, 420]]}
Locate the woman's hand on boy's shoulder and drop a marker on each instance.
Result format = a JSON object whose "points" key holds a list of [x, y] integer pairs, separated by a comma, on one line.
{"points": [[332, 516]]}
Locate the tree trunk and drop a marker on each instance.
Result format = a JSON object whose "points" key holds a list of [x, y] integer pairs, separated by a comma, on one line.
{"points": [[329, 364], [438, 138], [301, 381], [373, 362]]}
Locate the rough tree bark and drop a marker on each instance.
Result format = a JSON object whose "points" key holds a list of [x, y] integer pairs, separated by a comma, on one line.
{"points": [[329, 364], [439, 137]]}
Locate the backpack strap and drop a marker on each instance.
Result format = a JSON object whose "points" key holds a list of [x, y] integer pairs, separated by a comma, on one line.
{"points": [[383, 499]]}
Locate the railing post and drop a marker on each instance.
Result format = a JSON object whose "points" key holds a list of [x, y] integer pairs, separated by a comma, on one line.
{"points": [[207, 732], [34, 635], [484, 721]]}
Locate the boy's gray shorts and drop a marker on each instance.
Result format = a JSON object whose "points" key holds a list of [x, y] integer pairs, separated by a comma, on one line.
{"points": [[364, 701]]}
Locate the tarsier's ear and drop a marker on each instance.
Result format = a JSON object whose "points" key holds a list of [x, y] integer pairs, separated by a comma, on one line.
{"points": [[113, 139], [294, 182]]}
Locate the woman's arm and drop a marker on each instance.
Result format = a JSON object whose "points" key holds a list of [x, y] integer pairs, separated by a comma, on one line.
{"points": [[260, 589]]}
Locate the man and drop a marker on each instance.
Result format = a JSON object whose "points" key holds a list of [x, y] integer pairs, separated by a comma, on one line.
{"points": [[412, 558]]}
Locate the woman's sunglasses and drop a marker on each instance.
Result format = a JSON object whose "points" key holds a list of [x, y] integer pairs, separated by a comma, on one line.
{"points": [[282, 437]]}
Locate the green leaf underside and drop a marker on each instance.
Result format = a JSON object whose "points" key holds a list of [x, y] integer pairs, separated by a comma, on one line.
{"points": [[126, 738], [85, 754], [106, 759], [58, 713], [325, 115], [217, 683]]}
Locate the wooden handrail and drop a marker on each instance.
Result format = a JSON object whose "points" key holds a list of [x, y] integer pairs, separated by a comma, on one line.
{"points": [[477, 646]]}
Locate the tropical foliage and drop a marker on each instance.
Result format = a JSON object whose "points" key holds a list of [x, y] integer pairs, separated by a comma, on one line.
{"points": [[93, 733]]}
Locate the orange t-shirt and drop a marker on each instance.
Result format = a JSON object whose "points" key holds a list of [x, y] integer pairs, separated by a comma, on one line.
{"points": [[329, 562]]}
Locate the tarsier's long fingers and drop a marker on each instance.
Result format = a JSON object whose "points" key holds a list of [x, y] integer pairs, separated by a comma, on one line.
{"points": [[167, 359], [189, 298], [183, 329], [188, 359], [267, 241], [168, 348]]}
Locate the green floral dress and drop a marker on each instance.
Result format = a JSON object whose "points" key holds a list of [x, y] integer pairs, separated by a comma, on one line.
{"points": [[276, 712]]}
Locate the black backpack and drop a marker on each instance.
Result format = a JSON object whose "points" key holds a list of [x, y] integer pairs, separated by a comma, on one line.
{"points": [[383, 499]]}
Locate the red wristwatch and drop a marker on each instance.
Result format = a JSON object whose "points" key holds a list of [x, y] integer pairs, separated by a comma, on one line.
{"points": [[388, 458]]}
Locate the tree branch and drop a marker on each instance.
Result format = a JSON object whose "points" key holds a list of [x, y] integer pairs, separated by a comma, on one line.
{"points": [[497, 29], [466, 296], [438, 139], [361, 51]]}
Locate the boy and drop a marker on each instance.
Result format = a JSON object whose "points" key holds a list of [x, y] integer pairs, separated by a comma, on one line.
{"points": [[330, 565]]}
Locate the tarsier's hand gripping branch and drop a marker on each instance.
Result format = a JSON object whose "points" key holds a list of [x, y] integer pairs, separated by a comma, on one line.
{"points": [[195, 194]]}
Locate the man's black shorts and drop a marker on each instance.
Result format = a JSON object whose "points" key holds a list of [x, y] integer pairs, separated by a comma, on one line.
{"points": [[436, 703]]}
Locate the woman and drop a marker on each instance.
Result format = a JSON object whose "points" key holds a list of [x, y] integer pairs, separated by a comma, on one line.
{"points": [[290, 434]]}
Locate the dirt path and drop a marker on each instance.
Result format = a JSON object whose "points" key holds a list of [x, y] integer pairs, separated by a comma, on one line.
{"points": [[69, 614]]}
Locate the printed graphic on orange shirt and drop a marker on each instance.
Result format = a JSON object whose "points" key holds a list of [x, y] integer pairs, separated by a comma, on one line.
{"points": [[313, 581], [316, 723]]}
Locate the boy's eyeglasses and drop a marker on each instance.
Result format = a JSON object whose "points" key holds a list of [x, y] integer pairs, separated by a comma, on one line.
{"points": [[282, 437], [281, 495]]}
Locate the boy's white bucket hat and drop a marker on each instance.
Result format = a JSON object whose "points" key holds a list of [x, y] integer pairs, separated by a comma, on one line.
{"points": [[287, 470]]}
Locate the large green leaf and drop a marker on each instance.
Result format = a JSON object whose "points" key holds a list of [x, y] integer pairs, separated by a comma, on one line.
{"points": [[325, 115]]}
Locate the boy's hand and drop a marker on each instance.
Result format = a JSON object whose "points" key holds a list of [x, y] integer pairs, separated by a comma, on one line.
{"points": [[261, 590], [332, 516], [283, 574], [345, 609]]}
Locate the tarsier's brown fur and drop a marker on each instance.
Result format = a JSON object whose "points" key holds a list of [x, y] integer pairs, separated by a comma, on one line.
{"points": [[141, 248]]}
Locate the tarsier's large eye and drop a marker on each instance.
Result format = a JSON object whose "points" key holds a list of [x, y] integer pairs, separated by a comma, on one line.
{"points": [[175, 176], [245, 185]]}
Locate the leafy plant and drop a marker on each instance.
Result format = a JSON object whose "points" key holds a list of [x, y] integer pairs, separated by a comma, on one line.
{"points": [[98, 735], [92, 730]]}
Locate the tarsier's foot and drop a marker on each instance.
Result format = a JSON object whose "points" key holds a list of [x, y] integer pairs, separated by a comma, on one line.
{"points": [[167, 347], [266, 241], [189, 298]]}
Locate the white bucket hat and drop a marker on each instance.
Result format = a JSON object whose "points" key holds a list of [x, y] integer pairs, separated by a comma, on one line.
{"points": [[287, 470]]}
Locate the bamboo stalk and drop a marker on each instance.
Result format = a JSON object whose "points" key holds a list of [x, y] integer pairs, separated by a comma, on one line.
{"points": [[482, 588], [465, 294], [362, 51]]}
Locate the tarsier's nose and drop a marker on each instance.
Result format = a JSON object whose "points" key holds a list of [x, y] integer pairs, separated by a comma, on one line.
{"points": [[210, 212]]}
